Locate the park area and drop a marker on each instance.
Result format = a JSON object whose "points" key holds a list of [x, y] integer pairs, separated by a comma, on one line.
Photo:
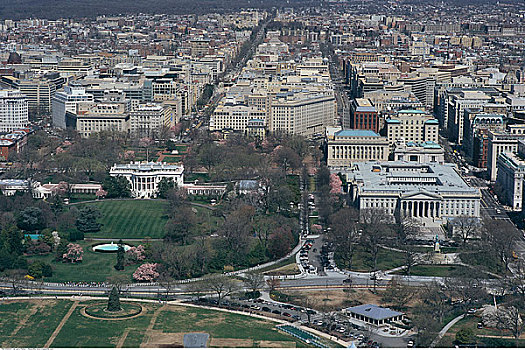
{"points": [[63, 324], [138, 219], [95, 267], [485, 337]]}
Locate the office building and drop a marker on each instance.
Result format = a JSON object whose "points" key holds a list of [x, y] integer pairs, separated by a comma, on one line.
{"points": [[412, 126], [423, 152], [430, 192], [66, 101], [13, 111], [345, 147], [364, 115]]}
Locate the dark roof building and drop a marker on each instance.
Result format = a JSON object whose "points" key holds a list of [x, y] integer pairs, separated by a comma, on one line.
{"points": [[374, 314]]}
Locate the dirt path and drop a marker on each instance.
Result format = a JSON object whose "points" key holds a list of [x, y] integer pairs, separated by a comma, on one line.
{"points": [[61, 324], [122, 338], [145, 340]]}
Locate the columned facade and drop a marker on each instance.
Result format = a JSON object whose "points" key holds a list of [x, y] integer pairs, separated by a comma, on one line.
{"points": [[420, 208]]}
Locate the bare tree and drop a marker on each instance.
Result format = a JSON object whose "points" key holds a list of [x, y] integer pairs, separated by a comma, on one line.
{"points": [[435, 299], [273, 283], [16, 279], [345, 234], [221, 285], [397, 294], [253, 280], [466, 227], [167, 282], [500, 237], [375, 231]]}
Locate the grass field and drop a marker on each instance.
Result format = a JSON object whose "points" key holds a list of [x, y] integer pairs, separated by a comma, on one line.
{"points": [[31, 324], [386, 260], [131, 219], [95, 267], [139, 219]]}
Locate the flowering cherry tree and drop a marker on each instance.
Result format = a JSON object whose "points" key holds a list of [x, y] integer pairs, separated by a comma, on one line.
{"points": [[335, 184], [146, 272], [136, 254], [317, 228], [74, 253]]}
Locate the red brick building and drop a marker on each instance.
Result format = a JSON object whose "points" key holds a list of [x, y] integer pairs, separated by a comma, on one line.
{"points": [[364, 115]]}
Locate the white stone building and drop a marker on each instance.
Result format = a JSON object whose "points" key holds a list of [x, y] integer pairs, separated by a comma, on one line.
{"points": [[412, 125], [344, 147], [428, 192], [13, 111], [149, 119], [145, 177], [423, 152], [66, 101]]}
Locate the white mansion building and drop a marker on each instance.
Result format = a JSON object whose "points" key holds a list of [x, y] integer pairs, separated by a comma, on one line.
{"points": [[145, 177], [431, 192]]}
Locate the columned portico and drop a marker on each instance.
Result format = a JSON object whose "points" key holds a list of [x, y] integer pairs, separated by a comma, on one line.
{"points": [[420, 207]]}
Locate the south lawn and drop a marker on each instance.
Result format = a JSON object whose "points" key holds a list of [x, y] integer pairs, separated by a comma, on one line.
{"points": [[138, 219], [130, 218], [32, 323]]}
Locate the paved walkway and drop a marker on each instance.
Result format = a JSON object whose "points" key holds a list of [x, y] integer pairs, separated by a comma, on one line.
{"points": [[445, 330]]}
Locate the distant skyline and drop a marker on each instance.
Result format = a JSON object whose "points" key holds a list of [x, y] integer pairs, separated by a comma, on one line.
{"points": [[53, 9]]}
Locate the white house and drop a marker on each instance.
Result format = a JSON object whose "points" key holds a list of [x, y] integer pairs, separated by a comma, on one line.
{"points": [[145, 177]]}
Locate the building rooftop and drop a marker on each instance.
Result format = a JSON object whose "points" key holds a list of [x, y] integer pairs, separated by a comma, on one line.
{"points": [[148, 166], [407, 177], [356, 133], [374, 312]]}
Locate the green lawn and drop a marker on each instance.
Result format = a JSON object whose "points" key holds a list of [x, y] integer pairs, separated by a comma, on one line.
{"points": [[386, 260], [471, 322], [95, 267], [202, 177], [131, 219], [172, 159], [481, 260], [139, 219], [35, 321], [219, 325], [44, 317]]}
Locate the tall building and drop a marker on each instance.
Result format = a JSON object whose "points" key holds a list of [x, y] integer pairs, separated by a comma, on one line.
{"points": [[149, 119], [13, 110], [66, 101], [235, 116], [511, 172], [364, 115], [502, 142], [303, 113], [412, 126]]}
